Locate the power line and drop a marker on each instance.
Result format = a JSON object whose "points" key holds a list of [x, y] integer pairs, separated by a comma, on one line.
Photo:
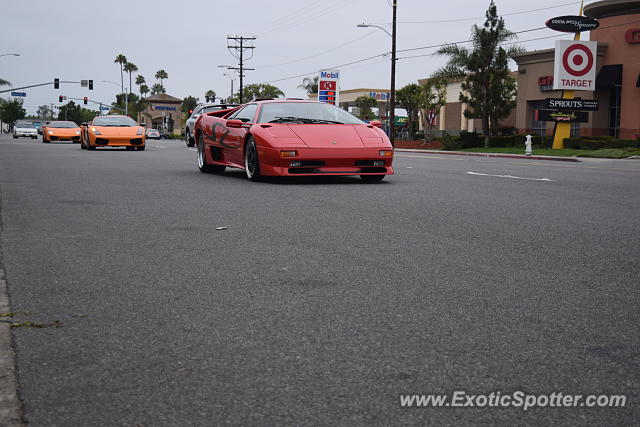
{"points": [[439, 21], [435, 46]]}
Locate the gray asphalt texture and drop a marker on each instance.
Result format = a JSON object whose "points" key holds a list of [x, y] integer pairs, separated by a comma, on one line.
{"points": [[326, 298]]}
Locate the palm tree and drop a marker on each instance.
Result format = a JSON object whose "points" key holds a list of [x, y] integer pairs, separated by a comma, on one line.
{"points": [[161, 75], [121, 59], [130, 68], [310, 85], [140, 81], [144, 89], [5, 82], [210, 96], [157, 88]]}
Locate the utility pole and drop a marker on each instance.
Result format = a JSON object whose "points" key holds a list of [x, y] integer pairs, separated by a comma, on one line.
{"points": [[393, 77], [239, 47]]}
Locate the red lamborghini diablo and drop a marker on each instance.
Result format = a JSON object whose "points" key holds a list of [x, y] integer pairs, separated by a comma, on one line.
{"points": [[283, 137]]}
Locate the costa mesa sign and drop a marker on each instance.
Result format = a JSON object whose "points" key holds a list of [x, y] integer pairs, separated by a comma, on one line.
{"points": [[572, 24]]}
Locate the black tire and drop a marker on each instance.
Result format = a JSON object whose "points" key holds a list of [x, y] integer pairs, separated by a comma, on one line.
{"points": [[203, 166], [44, 140], [141, 148], [372, 178], [251, 161], [15, 137], [89, 147], [190, 141]]}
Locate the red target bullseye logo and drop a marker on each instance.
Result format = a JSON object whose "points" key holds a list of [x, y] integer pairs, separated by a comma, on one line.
{"points": [[577, 60]]}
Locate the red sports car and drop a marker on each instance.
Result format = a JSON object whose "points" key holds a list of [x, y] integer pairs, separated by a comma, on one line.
{"points": [[285, 137]]}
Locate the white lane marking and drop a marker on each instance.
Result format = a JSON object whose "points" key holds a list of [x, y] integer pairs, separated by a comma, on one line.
{"points": [[160, 146], [192, 149], [510, 176]]}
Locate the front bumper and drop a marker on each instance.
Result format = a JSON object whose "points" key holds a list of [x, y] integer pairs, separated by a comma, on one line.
{"points": [[101, 141], [330, 161], [31, 134]]}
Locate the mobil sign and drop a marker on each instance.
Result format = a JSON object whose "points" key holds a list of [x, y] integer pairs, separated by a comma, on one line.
{"points": [[328, 88], [575, 65]]}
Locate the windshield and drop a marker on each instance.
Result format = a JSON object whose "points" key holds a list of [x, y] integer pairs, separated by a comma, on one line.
{"points": [[305, 112], [114, 121], [25, 125], [65, 125]]}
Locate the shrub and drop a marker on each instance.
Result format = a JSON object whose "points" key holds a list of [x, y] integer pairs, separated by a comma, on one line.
{"points": [[504, 141], [452, 143], [471, 140], [597, 143]]}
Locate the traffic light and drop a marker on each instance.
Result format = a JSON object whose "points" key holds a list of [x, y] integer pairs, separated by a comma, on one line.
{"points": [[60, 98], [56, 84], [90, 84], [190, 111], [85, 99]]}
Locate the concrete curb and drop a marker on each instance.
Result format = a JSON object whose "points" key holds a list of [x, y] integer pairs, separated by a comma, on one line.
{"points": [[10, 407], [496, 155]]}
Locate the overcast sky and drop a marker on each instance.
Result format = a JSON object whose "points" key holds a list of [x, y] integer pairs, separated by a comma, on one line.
{"points": [[79, 39]]}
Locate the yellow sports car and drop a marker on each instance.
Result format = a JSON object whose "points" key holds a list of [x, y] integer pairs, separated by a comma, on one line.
{"points": [[61, 131], [112, 131]]}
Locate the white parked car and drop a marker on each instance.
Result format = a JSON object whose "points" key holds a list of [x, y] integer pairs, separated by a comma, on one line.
{"points": [[25, 129], [197, 112]]}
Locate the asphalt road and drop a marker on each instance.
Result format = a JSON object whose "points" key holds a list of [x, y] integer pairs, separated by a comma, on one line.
{"points": [[326, 298]]}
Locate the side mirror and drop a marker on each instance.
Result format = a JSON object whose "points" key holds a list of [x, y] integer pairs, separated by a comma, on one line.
{"points": [[233, 123], [376, 123]]}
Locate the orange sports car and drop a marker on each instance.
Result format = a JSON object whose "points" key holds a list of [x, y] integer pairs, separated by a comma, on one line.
{"points": [[60, 131], [112, 131]]}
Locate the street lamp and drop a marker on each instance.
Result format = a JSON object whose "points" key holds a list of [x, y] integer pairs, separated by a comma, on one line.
{"points": [[232, 79], [10, 54], [392, 100], [126, 97]]}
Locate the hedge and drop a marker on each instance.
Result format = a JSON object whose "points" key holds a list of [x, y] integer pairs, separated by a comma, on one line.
{"points": [[599, 143]]}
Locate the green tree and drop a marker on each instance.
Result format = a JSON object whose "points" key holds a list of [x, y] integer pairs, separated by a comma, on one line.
{"points": [[75, 113], [189, 103], [144, 90], [44, 112], [309, 85], [260, 90], [488, 88], [434, 98], [5, 82], [157, 88], [411, 98], [161, 75], [139, 82], [210, 96], [130, 68], [364, 105], [12, 110], [122, 60]]}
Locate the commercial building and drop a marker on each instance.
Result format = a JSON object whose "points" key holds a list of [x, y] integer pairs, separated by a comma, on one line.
{"points": [[617, 82], [164, 112]]}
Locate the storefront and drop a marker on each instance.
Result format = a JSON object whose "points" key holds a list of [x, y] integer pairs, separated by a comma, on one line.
{"points": [[164, 113], [617, 82]]}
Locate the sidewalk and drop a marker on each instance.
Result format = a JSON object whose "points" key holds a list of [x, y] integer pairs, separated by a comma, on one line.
{"points": [[498, 155]]}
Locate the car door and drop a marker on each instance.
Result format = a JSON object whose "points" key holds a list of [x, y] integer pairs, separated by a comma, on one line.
{"points": [[234, 137]]}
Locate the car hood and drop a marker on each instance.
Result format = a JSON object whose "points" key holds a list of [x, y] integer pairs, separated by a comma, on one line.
{"points": [[327, 135], [118, 131]]}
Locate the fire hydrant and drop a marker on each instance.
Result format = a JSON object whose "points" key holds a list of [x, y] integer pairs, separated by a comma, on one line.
{"points": [[528, 151]]}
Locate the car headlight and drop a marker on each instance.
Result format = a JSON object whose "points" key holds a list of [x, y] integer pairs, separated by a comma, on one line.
{"points": [[95, 131], [50, 132], [139, 131], [77, 132]]}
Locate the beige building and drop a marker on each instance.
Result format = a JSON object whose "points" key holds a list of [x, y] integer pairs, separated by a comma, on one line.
{"points": [[348, 98], [164, 113]]}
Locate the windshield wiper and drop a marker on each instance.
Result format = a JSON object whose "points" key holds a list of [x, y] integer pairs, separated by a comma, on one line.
{"points": [[302, 120]]}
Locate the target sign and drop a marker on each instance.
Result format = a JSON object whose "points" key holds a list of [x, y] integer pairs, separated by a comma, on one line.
{"points": [[575, 65]]}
